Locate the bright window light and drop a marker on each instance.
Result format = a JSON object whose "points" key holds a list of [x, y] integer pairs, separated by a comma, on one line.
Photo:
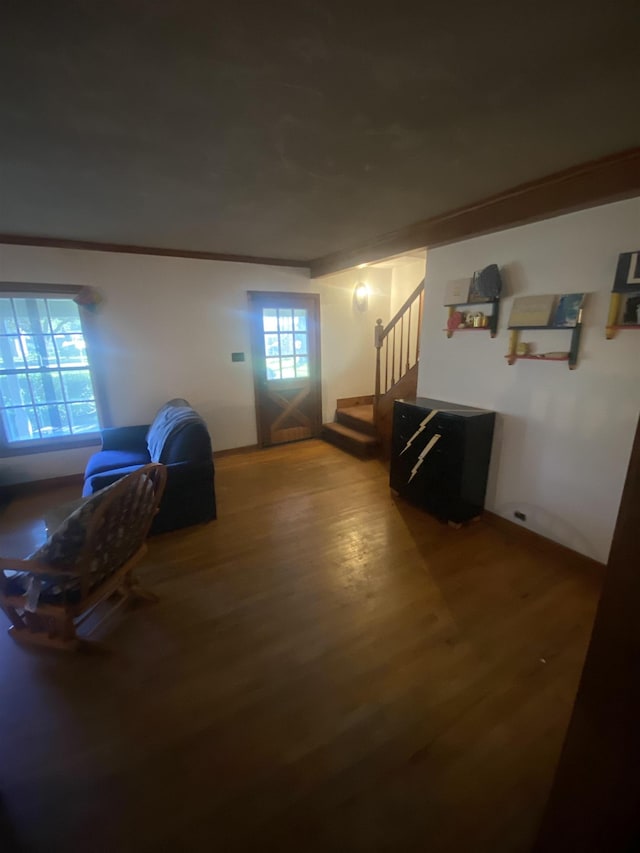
{"points": [[46, 389]]}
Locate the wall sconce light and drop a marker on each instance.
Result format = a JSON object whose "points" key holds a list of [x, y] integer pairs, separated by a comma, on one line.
{"points": [[361, 296]]}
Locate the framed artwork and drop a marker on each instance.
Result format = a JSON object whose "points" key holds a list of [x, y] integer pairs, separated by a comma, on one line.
{"points": [[627, 278], [567, 313]]}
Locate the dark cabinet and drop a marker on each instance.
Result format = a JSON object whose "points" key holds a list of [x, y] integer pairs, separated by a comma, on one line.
{"points": [[440, 456]]}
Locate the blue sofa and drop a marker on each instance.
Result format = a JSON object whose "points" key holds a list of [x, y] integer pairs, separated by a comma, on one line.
{"points": [[178, 437]]}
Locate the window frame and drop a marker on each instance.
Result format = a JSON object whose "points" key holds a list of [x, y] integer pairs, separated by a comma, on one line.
{"points": [[22, 290]]}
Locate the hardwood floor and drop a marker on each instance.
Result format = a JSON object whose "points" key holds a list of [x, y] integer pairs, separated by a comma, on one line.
{"points": [[328, 669]]}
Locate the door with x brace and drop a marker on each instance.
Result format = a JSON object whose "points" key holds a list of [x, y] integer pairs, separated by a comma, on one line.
{"points": [[286, 366]]}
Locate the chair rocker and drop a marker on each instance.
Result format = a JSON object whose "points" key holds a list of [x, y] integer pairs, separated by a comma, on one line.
{"points": [[86, 560]]}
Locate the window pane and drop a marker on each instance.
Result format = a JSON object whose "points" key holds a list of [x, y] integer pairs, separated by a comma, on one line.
{"points": [[53, 420], [301, 344], [71, 349], [39, 351], [7, 321], [271, 345], [21, 424], [39, 399], [302, 366], [269, 319], [46, 387], [77, 385], [14, 390], [273, 368], [288, 369], [300, 319], [65, 316], [32, 315], [11, 354], [84, 417], [285, 320], [286, 344], [31, 352]]}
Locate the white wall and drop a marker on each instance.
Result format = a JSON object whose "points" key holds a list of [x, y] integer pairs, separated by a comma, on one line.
{"points": [[564, 437], [405, 277], [167, 327], [348, 351]]}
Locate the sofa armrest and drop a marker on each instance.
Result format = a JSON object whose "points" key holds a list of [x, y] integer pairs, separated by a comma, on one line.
{"points": [[182, 473], [179, 475], [125, 438]]}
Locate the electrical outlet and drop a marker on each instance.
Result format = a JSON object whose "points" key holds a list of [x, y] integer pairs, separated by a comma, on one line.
{"points": [[520, 515]]}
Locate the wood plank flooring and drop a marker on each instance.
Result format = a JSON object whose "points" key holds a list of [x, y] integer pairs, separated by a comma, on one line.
{"points": [[328, 669]]}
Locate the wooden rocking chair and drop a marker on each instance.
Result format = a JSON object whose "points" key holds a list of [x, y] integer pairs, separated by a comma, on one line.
{"points": [[85, 561]]}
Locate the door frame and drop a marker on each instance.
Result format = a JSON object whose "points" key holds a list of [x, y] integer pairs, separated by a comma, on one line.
{"points": [[258, 356]]}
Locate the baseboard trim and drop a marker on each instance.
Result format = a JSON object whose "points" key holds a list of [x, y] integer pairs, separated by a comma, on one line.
{"points": [[538, 540], [18, 490], [234, 451]]}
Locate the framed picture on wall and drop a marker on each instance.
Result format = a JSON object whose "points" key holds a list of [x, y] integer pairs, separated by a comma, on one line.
{"points": [[627, 278], [567, 313]]}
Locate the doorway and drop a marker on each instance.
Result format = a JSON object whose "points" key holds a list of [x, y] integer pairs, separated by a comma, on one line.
{"points": [[285, 343]]}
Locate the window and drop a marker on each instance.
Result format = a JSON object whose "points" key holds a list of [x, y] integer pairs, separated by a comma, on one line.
{"points": [[46, 388], [285, 342]]}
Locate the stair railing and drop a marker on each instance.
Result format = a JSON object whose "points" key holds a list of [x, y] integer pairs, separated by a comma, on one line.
{"points": [[398, 344]]}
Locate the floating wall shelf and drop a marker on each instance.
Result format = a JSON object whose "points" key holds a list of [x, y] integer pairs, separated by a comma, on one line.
{"points": [[571, 357], [491, 320]]}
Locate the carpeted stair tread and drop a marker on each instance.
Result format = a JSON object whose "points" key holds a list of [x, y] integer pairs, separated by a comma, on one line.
{"points": [[357, 418], [360, 437], [364, 413], [350, 440]]}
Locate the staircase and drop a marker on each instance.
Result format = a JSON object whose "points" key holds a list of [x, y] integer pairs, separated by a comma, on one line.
{"points": [[353, 429], [363, 425]]}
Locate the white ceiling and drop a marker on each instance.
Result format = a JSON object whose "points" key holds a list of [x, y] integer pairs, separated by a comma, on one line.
{"points": [[295, 129]]}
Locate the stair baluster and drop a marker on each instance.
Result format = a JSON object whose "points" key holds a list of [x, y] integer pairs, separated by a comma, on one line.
{"points": [[386, 337], [362, 424]]}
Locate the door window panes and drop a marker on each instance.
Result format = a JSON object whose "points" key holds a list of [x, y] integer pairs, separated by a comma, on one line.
{"points": [[283, 347], [270, 319]]}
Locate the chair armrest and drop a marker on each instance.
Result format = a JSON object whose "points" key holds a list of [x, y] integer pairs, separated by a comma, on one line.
{"points": [[125, 438]]}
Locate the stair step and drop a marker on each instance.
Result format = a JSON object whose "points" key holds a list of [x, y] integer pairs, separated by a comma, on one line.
{"points": [[358, 418], [351, 440]]}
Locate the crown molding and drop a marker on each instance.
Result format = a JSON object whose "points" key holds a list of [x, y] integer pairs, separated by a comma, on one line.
{"points": [[601, 181], [90, 246]]}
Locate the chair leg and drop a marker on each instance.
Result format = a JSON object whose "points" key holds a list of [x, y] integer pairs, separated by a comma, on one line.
{"points": [[68, 629], [39, 638], [14, 617], [137, 592], [51, 631]]}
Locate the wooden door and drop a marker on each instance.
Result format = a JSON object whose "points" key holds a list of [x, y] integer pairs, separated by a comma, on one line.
{"points": [[286, 366]]}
